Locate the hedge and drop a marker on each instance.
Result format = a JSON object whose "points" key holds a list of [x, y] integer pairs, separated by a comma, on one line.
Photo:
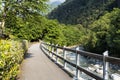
{"points": [[11, 55]]}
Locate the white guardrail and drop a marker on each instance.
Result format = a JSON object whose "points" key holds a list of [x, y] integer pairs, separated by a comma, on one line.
{"points": [[53, 52]]}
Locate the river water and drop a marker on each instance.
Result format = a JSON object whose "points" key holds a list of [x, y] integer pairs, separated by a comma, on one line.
{"points": [[91, 64]]}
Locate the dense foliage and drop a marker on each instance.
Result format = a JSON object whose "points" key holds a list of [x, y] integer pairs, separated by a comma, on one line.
{"points": [[107, 30], [20, 15], [11, 54], [82, 11]]}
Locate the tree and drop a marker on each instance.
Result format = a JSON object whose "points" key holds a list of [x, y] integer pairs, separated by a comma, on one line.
{"points": [[53, 33], [24, 9]]}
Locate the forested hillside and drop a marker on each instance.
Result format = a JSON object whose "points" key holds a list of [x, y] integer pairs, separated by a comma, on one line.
{"points": [[99, 20], [96, 23], [82, 11]]}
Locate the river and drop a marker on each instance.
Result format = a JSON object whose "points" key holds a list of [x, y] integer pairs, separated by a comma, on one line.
{"points": [[93, 65]]}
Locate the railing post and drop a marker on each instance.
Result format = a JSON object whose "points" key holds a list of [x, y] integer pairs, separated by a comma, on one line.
{"points": [[52, 50], [56, 53], [105, 66], [49, 49], [64, 56], [47, 45], [77, 64]]}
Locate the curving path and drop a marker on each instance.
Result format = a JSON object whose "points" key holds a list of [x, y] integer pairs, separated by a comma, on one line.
{"points": [[37, 66]]}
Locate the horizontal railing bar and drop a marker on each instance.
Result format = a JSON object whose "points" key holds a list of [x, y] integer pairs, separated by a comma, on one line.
{"points": [[94, 55], [45, 48], [71, 50], [54, 53], [90, 73], [84, 53], [113, 60], [74, 65], [57, 55], [59, 47]]}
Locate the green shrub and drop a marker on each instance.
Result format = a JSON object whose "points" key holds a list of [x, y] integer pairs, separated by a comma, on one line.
{"points": [[11, 54]]}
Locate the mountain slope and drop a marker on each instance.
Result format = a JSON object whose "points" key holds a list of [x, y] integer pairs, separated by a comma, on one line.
{"points": [[82, 11]]}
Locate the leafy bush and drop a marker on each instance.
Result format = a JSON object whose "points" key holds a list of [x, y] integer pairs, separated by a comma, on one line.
{"points": [[11, 54]]}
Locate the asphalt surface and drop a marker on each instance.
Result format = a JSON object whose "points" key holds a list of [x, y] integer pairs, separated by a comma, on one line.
{"points": [[37, 66]]}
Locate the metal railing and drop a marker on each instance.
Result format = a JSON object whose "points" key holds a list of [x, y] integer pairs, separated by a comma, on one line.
{"points": [[52, 50]]}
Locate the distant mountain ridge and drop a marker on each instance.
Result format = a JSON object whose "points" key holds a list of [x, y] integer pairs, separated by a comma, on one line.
{"points": [[54, 4], [82, 11]]}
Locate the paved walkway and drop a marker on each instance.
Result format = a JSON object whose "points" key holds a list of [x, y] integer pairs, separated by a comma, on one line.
{"points": [[37, 66]]}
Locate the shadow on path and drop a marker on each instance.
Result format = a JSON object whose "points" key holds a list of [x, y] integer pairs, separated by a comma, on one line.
{"points": [[28, 55]]}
